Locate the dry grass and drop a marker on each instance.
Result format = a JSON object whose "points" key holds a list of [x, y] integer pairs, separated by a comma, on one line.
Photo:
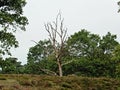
{"points": [[36, 82]]}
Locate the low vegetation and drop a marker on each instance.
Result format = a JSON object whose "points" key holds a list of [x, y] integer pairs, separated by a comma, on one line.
{"points": [[42, 82]]}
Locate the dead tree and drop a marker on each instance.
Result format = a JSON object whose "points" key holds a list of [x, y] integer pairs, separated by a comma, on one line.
{"points": [[57, 35]]}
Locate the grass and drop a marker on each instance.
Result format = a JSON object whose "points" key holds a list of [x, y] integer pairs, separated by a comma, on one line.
{"points": [[36, 82]]}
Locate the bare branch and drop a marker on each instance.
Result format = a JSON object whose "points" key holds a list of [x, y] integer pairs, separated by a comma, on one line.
{"points": [[48, 30], [68, 62], [49, 72], [61, 26], [64, 36], [57, 31], [35, 42]]}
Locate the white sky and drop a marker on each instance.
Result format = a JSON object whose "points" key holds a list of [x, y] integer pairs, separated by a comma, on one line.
{"points": [[96, 16]]}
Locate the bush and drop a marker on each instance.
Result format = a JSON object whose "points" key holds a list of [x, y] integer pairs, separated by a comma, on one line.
{"points": [[2, 78]]}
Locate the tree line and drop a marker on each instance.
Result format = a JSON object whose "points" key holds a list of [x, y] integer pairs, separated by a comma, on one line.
{"points": [[84, 54]]}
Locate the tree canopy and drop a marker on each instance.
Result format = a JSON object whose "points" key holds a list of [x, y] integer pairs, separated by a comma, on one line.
{"points": [[11, 19], [119, 6], [85, 53]]}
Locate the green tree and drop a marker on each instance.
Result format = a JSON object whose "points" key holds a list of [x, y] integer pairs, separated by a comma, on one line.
{"points": [[92, 54], [84, 49], [107, 45], [83, 44], [11, 19], [1, 64], [119, 6], [116, 59], [40, 58], [11, 65]]}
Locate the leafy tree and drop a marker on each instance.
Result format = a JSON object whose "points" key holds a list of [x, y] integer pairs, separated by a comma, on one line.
{"points": [[116, 59], [10, 65], [92, 54], [107, 46], [84, 54], [1, 64], [118, 5], [108, 43], [83, 44], [11, 19], [41, 59], [116, 53], [83, 48]]}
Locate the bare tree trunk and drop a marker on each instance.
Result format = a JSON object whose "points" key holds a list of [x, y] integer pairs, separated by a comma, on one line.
{"points": [[60, 68]]}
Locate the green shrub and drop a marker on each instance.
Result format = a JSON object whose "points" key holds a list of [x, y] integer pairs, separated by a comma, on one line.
{"points": [[25, 83], [2, 78], [66, 85]]}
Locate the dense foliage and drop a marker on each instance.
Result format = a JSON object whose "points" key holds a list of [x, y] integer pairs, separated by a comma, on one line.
{"points": [[11, 19], [119, 6], [85, 54], [11, 66], [38, 58]]}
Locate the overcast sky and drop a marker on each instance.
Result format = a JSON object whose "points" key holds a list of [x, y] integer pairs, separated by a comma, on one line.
{"points": [[96, 16]]}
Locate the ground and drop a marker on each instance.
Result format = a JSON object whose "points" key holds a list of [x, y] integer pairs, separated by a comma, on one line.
{"points": [[43, 82]]}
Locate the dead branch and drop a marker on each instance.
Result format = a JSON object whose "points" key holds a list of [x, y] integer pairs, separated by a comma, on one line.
{"points": [[48, 72], [56, 30]]}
